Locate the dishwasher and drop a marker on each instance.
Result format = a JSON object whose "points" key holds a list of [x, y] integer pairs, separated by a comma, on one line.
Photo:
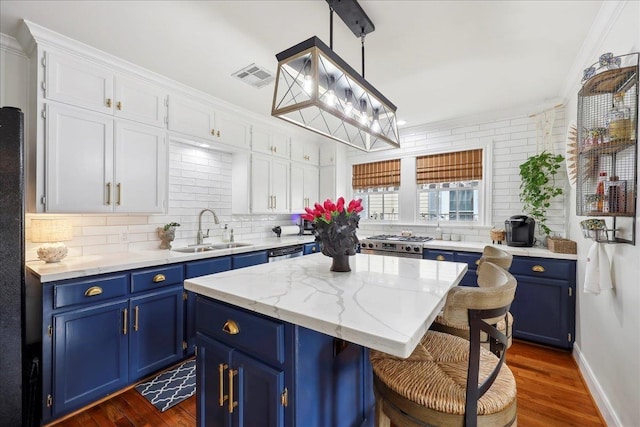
{"points": [[286, 252]]}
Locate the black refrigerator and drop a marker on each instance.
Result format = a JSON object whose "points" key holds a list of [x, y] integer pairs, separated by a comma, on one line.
{"points": [[14, 362]]}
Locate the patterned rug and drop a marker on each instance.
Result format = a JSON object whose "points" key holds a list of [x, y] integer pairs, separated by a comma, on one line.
{"points": [[170, 387]]}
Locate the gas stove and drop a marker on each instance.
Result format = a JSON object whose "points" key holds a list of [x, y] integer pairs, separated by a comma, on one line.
{"points": [[387, 244]]}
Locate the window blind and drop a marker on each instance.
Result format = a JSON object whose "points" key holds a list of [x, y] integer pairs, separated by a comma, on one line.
{"points": [[375, 175], [448, 167]]}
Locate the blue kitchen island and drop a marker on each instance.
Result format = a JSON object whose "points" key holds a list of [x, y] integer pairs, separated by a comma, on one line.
{"points": [[286, 344]]}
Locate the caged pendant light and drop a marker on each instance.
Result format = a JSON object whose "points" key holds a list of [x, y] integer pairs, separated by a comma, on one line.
{"points": [[319, 91]]}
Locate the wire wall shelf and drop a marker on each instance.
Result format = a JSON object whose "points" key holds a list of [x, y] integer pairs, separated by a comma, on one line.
{"points": [[607, 146]]}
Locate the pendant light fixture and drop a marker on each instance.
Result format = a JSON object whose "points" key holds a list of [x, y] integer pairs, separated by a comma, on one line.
{"points": [[319, 91]]}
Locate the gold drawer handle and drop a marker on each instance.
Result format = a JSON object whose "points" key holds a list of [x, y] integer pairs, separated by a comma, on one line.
{"points": [[159, 278], [477, 262], [223, 397], [108, 102], [440, 258], [537, 269], [93, 291], [231, 327], [314, 249]]}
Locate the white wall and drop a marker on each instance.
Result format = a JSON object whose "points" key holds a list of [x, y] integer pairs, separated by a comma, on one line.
{"points": [[507, 140], [608, 325]]}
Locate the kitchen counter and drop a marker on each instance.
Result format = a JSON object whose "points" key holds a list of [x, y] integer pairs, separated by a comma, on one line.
{"points": [[385, 303], [90, 265], [478, 246]]}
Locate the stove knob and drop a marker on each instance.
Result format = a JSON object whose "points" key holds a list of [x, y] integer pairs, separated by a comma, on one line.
{"points": [[408, 248], [416, 249], [370, 245]]}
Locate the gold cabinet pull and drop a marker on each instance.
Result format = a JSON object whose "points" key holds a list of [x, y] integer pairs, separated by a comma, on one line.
{"points": [[232, 403], [109, 102], [213, 132], [537, 269], [159, 278], [218, 134], [108, 193], [223, 397], [231, 327], [477, 262], [314, 249], [135, 318], [440, 258], [119, 187], [284, 397], [124, 322], [119, 105], [93, 291]]}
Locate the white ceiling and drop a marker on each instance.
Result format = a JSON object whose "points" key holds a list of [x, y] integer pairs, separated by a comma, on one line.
{"points": [[436, 60]]}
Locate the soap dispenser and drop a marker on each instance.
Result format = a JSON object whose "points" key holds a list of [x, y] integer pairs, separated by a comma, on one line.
{"points": [[226, 236], [438, 232]]}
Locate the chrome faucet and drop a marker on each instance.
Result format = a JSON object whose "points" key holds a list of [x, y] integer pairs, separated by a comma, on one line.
{"points": [[200, 236]]}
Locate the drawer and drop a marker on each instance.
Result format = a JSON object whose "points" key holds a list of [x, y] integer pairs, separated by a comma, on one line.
{"points": [[155, 278], [208, 266], [471, 258], [258, 335], [543, 267], [89, 291], [438, 255]]}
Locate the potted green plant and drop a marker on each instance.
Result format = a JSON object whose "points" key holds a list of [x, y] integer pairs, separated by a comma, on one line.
{"points": [[538, 186]]}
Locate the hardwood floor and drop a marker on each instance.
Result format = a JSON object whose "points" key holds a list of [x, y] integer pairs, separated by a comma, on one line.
{"points": [[550, 393]]}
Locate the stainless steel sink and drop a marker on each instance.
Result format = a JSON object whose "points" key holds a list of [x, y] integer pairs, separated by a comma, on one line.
{"points": [[208, 248]]}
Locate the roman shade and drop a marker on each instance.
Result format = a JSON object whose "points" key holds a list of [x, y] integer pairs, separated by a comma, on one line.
{"points": [[449, 167], [377, 174]]}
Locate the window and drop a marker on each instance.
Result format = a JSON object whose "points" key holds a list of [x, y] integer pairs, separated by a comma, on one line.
{"points": [[378, 184], [449, 186]]}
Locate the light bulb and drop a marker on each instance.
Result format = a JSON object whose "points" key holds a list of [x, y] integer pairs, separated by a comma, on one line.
{"points": [[364, 119], [348, 98], [330, 96], [375, 125], [308, 84]]}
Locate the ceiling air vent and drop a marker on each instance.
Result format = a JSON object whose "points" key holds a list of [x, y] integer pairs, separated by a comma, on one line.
{"points": [[254, 75]]}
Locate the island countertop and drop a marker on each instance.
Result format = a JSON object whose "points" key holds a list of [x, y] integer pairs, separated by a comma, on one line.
{"points": [[385, 303]]}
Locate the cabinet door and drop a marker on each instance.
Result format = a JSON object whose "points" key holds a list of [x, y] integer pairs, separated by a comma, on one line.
{"points": [[261, 197], [305, 152], [79, 160], [212, 390], [327, 183], [311, 185], [140, 101], [156, 325], [234, 131], [297, 188], [79, 82], [269, 142], [280, 185], [257, 389], [543, 311], [191, 118], [140, 168], [90, 355]]}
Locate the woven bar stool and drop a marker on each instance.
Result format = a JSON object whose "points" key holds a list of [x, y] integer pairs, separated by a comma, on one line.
{"points": [[502, 259], [448, 380]]}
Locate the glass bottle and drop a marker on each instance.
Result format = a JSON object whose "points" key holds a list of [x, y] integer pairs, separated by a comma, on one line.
{"points": [[226, 236], [600, 192], [619, 119]]}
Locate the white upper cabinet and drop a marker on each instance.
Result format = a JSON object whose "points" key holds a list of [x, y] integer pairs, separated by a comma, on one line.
{"points": [[305, 186], [78, 82], [305, 152], [93, 168], [140, 168], [270, 142], [269, 184], [83, 83], [203, 121], [140, 101]]}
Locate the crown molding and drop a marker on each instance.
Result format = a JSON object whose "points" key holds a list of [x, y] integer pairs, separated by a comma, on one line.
{"points": [[10, 44]]}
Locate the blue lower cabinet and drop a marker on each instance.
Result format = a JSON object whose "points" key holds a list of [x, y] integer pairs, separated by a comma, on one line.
{"points": [[247, 260], [90, 347], [320, 381], [197, 269], [155, 331], [311, 248]]}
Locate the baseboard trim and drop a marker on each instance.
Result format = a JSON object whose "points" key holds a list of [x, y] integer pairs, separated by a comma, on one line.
{"points": [[599, 397]]}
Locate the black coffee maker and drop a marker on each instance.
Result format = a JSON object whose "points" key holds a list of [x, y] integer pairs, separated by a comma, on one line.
{"points": [[520, 230]]}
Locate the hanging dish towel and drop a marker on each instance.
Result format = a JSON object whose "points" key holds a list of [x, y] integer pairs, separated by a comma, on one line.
{"points": [[597, 275]]}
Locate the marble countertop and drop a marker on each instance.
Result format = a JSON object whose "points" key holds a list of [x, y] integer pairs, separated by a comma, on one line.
{"points": [[90, 265], [385, 303]]}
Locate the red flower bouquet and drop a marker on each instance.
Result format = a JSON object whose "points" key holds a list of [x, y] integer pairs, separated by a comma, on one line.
{"points": [[335, 228]]}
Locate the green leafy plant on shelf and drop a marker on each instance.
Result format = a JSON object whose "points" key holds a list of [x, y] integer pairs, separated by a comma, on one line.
{"points": [[538, 186]]}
